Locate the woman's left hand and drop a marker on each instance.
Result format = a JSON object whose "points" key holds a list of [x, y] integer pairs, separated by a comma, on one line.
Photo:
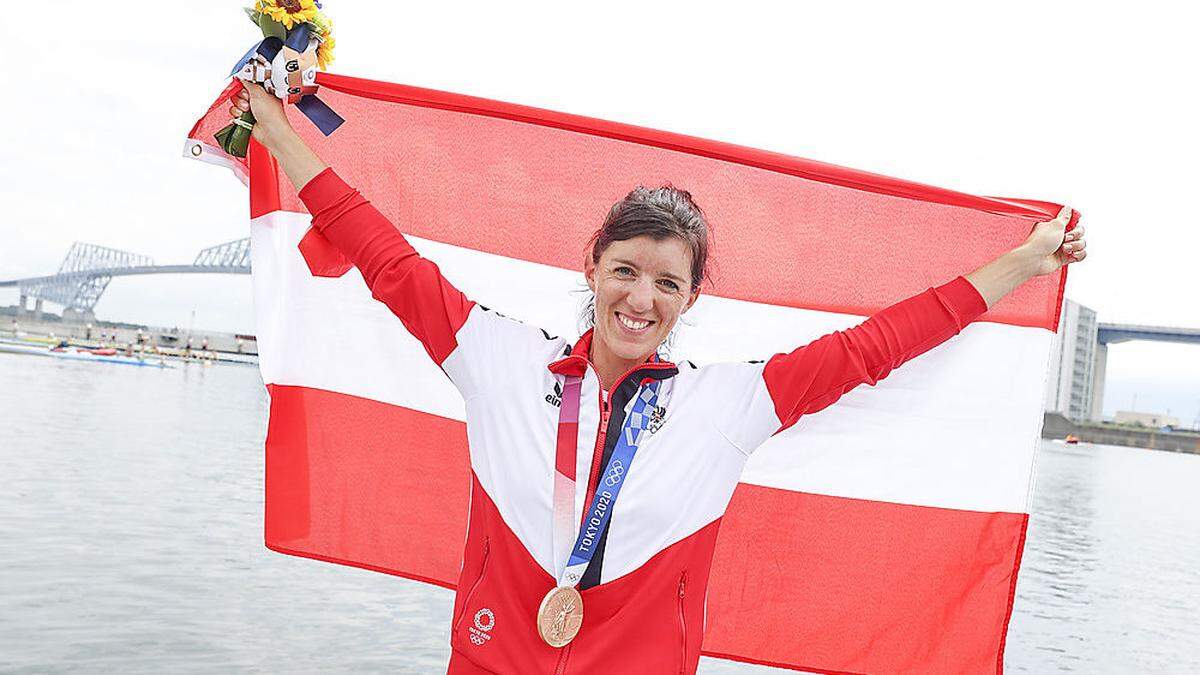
{"points": [[1051, 246], [1047, 249]]}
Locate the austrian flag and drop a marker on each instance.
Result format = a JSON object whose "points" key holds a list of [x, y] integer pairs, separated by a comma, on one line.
{"points": [[881, 534]]}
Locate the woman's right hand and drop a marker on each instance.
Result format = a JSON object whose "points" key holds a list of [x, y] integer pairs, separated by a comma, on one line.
{"points": [[271, 125], [272, 129]]}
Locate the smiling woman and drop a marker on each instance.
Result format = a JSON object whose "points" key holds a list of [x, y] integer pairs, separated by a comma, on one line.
{"points": [[645, 269], [541, 412]]}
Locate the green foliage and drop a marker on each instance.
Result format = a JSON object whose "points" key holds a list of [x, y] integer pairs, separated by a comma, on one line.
{"points": [[271, 28]]}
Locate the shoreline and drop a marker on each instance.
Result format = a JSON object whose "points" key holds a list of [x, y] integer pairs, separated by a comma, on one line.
{"points": [[1057, 427], [145, 341], [173, 344]]}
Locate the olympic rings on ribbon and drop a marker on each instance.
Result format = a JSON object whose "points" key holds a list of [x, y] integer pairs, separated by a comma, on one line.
{"points": [[615, 472]]}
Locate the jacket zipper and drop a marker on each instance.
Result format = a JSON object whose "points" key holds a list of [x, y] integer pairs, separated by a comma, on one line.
{"points": [[682, 625], [597, 455], [471, 593], [561, 668], [562, 660], [602, 432]]}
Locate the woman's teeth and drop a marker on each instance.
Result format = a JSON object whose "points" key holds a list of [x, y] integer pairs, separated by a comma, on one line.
{"points": [[632, 324]]}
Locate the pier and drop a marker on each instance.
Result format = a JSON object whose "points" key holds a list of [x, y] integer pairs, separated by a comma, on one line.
{"points": [[1055, 426]]}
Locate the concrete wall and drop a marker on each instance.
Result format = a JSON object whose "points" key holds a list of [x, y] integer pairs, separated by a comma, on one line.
{"points": [[1057, 426]]}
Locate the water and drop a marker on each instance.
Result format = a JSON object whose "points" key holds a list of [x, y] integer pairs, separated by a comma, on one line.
{"points": [[131, 541]]}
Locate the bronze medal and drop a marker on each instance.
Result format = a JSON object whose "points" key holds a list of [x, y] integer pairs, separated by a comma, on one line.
{"points": [[560, 616]]}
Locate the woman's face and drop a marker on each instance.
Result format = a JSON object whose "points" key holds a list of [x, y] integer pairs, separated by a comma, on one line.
{"points": [[641, 287]]}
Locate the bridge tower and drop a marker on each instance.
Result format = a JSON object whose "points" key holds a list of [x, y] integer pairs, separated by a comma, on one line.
{"points": [[227, 257], [82, 277], [1100, 364]]}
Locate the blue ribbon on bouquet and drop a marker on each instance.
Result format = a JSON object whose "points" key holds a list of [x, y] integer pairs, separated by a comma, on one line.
{"points": [[298, 81]]}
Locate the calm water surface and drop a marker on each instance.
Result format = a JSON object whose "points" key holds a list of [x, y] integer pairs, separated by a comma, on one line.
{"points": [[130, 541]]}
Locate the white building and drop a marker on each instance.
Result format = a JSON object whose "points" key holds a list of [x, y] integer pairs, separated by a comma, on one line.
{"points": [[1146, 419], [1076, 365]]}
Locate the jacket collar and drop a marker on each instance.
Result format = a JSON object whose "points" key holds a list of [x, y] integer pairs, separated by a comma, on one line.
{"points": [[576, 361]]}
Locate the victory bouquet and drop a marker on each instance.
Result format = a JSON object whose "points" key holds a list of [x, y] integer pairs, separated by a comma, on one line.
{"points": [[297, 41]]}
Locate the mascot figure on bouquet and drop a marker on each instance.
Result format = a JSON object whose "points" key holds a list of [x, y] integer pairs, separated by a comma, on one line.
{"points": [[297, 41]]}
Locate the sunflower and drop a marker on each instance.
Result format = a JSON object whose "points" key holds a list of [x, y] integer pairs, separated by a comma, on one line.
{"points": [[321, 24], [288, 12], [325, 51]]}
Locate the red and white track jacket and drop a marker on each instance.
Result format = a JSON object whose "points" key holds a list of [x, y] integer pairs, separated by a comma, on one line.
{"points": [[644, 590]]}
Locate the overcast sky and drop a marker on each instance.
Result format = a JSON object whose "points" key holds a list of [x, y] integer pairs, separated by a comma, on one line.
{"points": [[1069, 102]]}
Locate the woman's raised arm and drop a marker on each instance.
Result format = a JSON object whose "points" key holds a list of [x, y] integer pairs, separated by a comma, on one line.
{"points": [[276, 134], [1047, 249], [815, 375], [430, 307]]}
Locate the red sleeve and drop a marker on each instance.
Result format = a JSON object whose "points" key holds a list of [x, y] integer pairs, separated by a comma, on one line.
{"points": [[430, 307], [817, 374]]}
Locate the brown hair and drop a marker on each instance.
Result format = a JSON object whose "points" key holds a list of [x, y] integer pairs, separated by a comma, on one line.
{"points": [[659, 213]]}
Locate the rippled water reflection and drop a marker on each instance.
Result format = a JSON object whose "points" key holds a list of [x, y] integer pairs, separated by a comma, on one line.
{"points": [[130, 541]]}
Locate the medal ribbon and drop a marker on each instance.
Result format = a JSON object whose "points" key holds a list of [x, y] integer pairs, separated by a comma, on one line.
{"points": [[596, 519]]}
